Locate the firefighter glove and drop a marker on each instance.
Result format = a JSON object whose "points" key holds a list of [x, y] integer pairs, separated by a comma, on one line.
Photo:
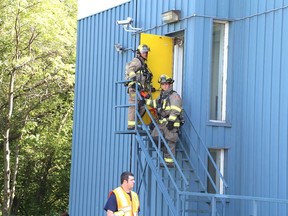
{"points": [[170, 125], [141, 102], [145, 94], [151, 126]]}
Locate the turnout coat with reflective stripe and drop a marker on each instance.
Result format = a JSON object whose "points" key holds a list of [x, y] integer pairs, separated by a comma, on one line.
{"points": [[135, 68], [169, 107], [125, 204]]}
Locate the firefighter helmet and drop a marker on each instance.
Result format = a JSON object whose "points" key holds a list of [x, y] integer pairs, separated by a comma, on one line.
{"points": [[165, 79], [143, 48]]}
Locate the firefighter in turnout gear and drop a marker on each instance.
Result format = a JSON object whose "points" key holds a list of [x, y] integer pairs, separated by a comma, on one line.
{"points": [[169, 111], [140, 77]]}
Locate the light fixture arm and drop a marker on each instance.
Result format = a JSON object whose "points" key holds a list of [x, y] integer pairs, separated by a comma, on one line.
{"points": [[119, 48], [129, 28], [127, 25]]}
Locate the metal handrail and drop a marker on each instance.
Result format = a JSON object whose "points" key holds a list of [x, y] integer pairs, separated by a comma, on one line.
{"points": [[160, 139], [165, 143], [161, 185], [180, 142], [156, 146], [214, 197], [203, 165], [209, 156], [227, 198]]}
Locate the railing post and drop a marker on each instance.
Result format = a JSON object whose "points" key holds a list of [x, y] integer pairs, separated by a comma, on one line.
{"points": [[183, 204], [255, 208], [213, 208]]}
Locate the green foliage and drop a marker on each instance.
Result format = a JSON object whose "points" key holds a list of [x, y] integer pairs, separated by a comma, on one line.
{"points": [[37, 44]]}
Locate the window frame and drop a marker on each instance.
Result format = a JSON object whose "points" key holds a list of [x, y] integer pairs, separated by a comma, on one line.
{"points": [[220, 162], [222, 77]]}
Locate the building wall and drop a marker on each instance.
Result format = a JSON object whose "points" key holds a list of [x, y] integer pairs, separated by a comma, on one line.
{"points": [[98, 156], [258, 155], [256, 140]]}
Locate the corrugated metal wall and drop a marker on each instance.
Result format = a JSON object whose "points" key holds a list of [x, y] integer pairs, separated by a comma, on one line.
{"points": [[257, 99], [258, 155], [98, 156]]}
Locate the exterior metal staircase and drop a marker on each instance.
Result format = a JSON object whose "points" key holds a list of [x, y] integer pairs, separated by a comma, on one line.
{"points": [[176, 184], [183, 188]]}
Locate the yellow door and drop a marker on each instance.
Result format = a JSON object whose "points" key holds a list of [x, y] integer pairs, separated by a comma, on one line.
{"points": [[160, 60]]}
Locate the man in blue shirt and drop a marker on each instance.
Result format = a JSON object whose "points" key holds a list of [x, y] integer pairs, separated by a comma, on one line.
{"points": [[122, 200]]}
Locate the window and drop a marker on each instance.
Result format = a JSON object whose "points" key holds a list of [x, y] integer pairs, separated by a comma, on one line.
{"points": [[218, 157], [178, 64], [218, 78]]}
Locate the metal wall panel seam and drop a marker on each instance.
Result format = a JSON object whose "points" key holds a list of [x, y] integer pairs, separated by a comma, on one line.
{"points": [[87, 95], [92, 148], [251, 100], [77, 92], [103, 89], [89, 114], [259, 103], [266, 102], [283, 112], [82, 130], [275, 102], [75, 118], [97, 148]]}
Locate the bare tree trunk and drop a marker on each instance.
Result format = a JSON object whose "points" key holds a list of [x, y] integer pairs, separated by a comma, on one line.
{"points": [[63, 121], [7, 172], [14, 174], [9, 187]]}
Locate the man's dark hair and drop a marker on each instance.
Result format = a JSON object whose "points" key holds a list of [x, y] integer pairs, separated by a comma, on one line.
{"points": [[125, 176]]}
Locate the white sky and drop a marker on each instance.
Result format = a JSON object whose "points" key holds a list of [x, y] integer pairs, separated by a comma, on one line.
{"points": [[89, 7]]}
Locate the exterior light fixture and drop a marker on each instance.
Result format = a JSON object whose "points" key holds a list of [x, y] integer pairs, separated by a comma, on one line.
{"points": [[171, 16]]}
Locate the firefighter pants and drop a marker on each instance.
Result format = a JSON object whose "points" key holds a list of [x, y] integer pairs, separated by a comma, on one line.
{"points": [[171, 137], [131, 109]]}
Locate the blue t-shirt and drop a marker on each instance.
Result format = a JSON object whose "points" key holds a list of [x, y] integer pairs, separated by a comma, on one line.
{"points": [[111, 203]]}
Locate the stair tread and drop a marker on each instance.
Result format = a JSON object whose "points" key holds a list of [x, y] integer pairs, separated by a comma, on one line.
{"points": [[168, 178], [198, 211], [198, 199], [141, 132]]}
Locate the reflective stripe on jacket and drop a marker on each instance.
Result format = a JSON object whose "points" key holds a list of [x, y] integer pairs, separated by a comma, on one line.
{"points": [[168, 109], [126, 206]]}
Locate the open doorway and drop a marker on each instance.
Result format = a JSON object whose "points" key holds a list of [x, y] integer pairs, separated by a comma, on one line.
{"points": [[178, 60], [166, 57], [178, 64]]}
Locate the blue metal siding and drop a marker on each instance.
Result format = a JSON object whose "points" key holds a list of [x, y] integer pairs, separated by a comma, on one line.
{"points": [[257, 98], [99, 157], [258, 92], [283, 123]]}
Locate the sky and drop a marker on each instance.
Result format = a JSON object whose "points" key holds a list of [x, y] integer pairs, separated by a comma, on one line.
{"points": [[89, 7]]}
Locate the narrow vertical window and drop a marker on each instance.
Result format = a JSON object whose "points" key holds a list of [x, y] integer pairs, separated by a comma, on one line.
{"points": [[178, 64], [218, 76], [218, 157]]}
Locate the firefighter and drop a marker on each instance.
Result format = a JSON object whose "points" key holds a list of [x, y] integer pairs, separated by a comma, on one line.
{"points": [[140, 76], [169, 114], [122, 200]]}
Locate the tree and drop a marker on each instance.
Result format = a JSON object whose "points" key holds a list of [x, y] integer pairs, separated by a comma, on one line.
{"points": [[36, 84]]}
